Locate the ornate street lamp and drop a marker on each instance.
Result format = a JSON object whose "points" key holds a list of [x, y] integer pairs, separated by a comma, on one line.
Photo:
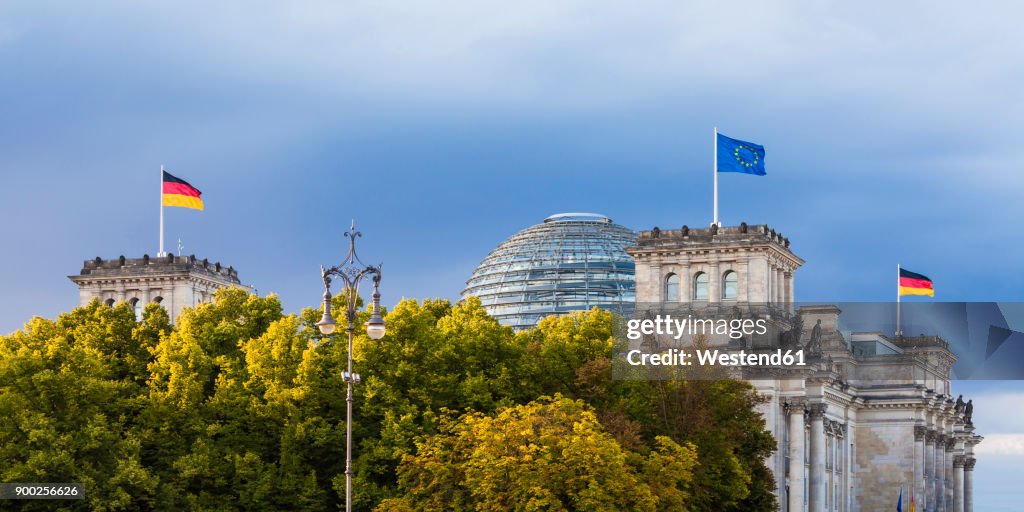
{"points": [[351, 271]]}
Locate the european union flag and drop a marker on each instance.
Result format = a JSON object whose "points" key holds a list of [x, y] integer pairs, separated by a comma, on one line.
{"points": [[740, 156]]}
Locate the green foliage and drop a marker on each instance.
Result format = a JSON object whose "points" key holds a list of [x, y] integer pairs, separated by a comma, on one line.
{"points": [[551, 454], [68, 392], [240, 407]]}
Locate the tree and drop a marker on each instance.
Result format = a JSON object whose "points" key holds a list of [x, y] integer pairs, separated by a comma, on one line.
{"points": [[551, 454], [717, 415], [68, 392], [240, 407], [235, 416], [434, 357]]}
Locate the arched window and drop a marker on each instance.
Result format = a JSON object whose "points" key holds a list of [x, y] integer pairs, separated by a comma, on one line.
{"points": [[159, 300], [672, 288], [730, 287], [700, 286], [137, 308], [109, 302]]}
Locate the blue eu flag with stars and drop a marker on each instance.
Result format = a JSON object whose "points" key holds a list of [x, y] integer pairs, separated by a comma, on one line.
{"points": [[740, 156]]}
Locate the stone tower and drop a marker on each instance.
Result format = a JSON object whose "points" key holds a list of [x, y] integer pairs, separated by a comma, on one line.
{"points": [[174, 282], [866, 414], [746, 264]]}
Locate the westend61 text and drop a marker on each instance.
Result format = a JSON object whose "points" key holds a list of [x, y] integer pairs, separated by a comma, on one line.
{"points": [[678, 327], [677, 357]]}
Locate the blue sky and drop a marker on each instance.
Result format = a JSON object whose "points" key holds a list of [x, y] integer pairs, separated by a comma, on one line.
{"points": [[892, 134]]}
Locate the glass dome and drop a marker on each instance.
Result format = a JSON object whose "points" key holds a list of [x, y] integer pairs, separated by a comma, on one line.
{"points": [[570, 262]]}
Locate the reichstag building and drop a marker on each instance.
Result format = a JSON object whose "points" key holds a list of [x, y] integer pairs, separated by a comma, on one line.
{"points": [[869, 413]]}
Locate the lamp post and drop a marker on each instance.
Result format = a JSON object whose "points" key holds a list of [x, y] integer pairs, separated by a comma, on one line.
{"points": [[351, 271]]}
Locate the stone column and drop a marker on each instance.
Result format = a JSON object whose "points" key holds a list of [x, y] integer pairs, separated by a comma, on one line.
{"points": [[969, 484], [776, 285], [958, 483], [940, 473], [773, 288], [658, 281], [781, 285], [795, 408], [714, 282], [950, 445], [919, 465], [787, 283], [743, 267], [786, 287], [928, 498], [685, 284], [817, 475]]}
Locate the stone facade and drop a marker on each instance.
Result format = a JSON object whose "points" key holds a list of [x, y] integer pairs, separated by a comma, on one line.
{"points": [[175, 282], [758, 254], [868, 414]]}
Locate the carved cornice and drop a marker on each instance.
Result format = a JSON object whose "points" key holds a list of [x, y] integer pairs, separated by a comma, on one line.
{"points": [[950, 443], [920, 431], [959, 460], [969, 464], [835, 396], [871, 403], [835, 428], [816, 410], [795, 405], [931, 436]]}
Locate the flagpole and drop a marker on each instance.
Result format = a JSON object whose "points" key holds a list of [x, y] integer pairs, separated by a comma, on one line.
{"points": [[161, 253], [716, 175], [898, 332]]}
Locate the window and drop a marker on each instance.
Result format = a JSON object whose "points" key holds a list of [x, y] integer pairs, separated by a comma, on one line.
{"points": [[840, 456], [829, 452], [730, 289], [109, 302], [137, 308], [672, 288], [700, 286]]}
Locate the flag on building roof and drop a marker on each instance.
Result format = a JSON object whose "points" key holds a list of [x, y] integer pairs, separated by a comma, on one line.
{"points": [[178, 192], [734, 155], [912, 283]]}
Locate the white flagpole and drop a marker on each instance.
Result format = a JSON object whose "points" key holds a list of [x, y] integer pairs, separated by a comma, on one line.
{"points": [[161, 253], [716, 175], [898, 332]]}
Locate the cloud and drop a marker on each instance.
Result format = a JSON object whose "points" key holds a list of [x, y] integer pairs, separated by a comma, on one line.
{"points": [[855, 108], [929, 86], [578, 52], [999, 417], [1001, 444]]}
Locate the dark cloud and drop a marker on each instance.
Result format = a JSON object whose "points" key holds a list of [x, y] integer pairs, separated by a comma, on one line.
{"points": [[443, 128]]}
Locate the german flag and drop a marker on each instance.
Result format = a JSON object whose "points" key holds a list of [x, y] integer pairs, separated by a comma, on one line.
{"points": [[912, 283], [177, 192]]}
